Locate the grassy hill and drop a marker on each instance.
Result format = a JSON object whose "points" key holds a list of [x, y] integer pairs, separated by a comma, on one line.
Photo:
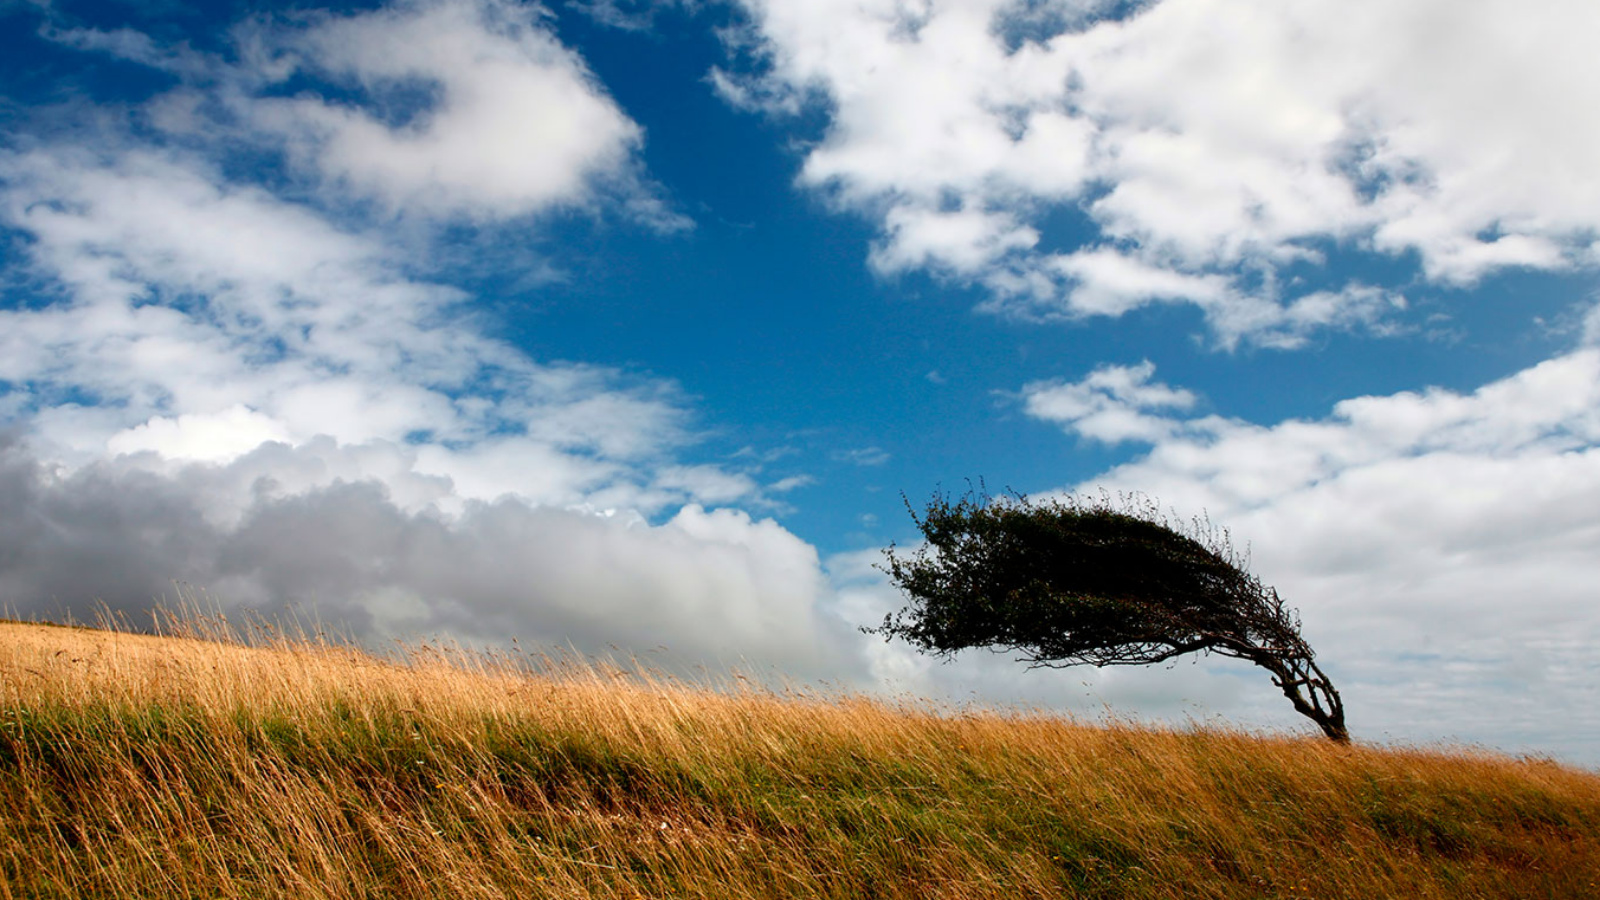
{"points": [[140, 766]]}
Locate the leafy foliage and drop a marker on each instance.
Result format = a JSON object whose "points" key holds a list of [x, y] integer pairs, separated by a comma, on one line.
{"points": [[1090, 581]]}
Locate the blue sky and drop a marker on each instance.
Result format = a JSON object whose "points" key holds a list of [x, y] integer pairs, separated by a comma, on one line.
{"points": [[628, 323]]}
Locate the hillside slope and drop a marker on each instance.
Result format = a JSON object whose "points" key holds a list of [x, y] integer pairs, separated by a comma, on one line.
{"points": [[140, 766]]}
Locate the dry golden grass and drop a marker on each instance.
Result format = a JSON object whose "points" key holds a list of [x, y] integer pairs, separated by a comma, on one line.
{"points": [[141, 766]]}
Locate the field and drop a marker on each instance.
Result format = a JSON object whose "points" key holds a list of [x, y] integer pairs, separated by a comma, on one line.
{"points": [[201, 766]]}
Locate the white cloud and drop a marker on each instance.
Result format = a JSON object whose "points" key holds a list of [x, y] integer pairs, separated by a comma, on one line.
{"points": [[185, 295], [197, 319], [791, 483], [469, 108], [217, 437], [863, 456], [452, 109], [713, 484], [629, 15], [1110, 283], [966, 241], [1210, 141], [1590, 327], [1440, 545], [125, 43], [526, 468], [1112, 404]]}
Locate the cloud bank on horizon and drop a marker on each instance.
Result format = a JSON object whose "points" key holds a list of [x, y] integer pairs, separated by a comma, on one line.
{"points": [[252, 335]]}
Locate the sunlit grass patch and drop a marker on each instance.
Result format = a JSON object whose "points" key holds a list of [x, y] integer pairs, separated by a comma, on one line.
{"points": [[142, 766]]}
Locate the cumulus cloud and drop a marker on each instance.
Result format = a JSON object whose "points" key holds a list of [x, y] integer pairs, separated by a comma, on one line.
{"points": [[1112, 405], [190, 306], [471, 109], [966, 241], [1214, 145], [1110, 283], [217, 437], [435, 109], [1440, 545]]}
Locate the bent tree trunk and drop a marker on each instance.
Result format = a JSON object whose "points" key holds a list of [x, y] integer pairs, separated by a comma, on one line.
{"points": [[1312, 694]]}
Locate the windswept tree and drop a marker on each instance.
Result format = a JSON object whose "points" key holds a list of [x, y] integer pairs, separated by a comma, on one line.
{"points": [[1091, 581]]}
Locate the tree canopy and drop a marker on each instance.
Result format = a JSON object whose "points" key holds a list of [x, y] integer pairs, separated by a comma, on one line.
{"points": [[1091, 581]]}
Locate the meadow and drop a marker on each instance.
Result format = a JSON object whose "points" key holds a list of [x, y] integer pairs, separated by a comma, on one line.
{"points": [[202, 764]]}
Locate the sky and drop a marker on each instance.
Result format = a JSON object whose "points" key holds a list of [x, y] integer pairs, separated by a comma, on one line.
{"points": [[642, 326]]}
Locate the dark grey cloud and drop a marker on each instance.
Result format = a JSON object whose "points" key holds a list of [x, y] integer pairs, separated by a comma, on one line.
{"points": [[711, 587]]}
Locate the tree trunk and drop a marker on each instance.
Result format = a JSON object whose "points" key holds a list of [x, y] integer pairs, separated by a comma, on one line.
{"points": [[1312, 694]]}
